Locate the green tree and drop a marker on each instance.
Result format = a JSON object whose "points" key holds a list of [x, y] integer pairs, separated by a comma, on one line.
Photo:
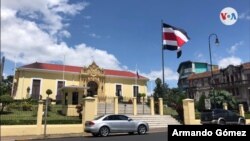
{"points": [[174, 100], [6, 85], [143, 95], [201, 103], [160, 89], [219, 97], [5, 100]]}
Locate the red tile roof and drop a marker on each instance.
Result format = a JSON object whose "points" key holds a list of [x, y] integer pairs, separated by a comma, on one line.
{"points": [[202, 75], [66, 68], [54, 67]]}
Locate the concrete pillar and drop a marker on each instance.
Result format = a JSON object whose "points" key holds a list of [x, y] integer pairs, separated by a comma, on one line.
{"points": [[241, 109], [88, 112], [40, 112], [116, 105], [161, 106], [39, 117], [188, 111], [225, 106], [96, 104], [152, 106], [134, 106]]}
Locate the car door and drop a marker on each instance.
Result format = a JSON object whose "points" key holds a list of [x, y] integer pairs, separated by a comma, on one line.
{"points": [[112, 122], [232, 117], [126, 125]]}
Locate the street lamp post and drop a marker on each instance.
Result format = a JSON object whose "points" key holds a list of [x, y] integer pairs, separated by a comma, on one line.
{"points": [[211, 63]]}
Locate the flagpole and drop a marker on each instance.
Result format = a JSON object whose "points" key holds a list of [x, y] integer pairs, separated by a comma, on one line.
{"points": [[136, 75], [63, 67], [162, 54], [13, 81]]}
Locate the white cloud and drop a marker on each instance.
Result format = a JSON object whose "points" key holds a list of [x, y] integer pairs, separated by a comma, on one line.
{"points": [[200, 55], [87, 17], [170, 75], [32, 31], [223, 63], [94, 35], [4, 75], [86, 26], [171, 78], [235, 47], [46, 11], [245, 15]]}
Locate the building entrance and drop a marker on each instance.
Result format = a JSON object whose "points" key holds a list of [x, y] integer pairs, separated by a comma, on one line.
{"points": [[93, 88]]}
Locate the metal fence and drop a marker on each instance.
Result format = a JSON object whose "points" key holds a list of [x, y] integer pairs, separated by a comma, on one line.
{"points": [[19, 113], [105, 105]]}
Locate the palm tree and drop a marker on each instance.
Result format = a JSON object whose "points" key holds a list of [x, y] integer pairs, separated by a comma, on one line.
{"points": [[220, 97]]}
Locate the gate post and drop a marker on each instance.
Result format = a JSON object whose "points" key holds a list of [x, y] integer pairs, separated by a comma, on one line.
{"points": [[160, 106], [189, 112], [242, 112], [225, 106], [88, 112], [96, 104], [152, 106], [116, 105], [134, 106], [39, 117]]}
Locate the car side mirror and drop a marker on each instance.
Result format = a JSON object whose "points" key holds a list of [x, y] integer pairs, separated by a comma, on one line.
{"points": [[129, 119]]}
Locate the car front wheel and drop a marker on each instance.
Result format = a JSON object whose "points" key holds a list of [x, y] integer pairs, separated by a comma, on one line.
{"points": [[142, 130], [222, 122], [104, 131]]}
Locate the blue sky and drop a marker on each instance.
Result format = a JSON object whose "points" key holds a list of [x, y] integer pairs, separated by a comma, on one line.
{"points": [[121, 34]]}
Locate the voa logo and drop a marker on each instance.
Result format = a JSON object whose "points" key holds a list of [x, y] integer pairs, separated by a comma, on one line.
{"points": [[228, 16]]}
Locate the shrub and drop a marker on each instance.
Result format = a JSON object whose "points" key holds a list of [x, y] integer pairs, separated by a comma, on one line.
{"points": [[79, 110], [48, 92], [5, 100], [130, 101], [201, 103], [26, 106]]}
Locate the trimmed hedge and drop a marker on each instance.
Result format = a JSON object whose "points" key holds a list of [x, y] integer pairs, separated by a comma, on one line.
{"points": [[17, 122], [65, 121]]}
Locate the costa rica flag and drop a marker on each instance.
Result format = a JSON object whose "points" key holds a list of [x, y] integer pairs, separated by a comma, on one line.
{"points": [[174, 38]]}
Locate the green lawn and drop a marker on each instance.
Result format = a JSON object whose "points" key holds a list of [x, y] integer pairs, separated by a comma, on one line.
{"points": [[17, 116], [247, 115], [169, 111]]}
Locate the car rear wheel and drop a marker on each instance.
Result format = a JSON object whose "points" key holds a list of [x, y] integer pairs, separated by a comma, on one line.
{"points": [[104, 131], [242, 122], [142, 130]]}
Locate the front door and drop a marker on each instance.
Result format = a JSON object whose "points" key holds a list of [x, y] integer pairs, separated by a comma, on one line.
{"points": [[93, 88], [35, 89]]}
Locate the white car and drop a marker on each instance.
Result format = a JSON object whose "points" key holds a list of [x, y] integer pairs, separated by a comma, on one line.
{"points": [[105, 124]]}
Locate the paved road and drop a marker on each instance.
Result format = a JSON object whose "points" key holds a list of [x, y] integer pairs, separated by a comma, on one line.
{"points": [[117, 137]]}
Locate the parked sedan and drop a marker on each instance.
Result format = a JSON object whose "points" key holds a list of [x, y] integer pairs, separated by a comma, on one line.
{"points": [[105, 124]]}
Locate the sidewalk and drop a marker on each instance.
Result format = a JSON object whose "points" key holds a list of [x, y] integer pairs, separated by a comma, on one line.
{"points": [[25, 138]]}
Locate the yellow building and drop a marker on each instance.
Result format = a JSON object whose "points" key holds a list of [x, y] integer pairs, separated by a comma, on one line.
{"points": [[34, 79]]}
